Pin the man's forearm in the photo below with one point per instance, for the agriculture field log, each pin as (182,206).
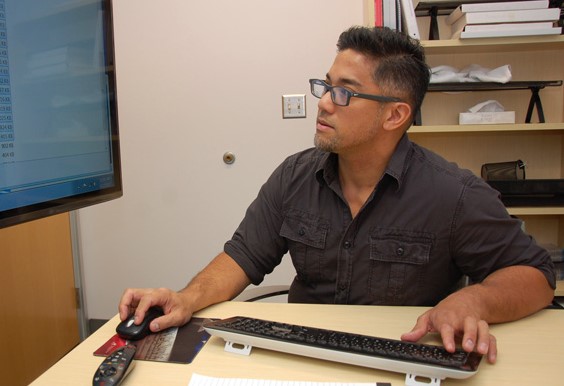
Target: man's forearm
(509,294)
(222,279)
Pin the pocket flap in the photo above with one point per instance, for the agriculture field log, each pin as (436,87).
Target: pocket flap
(305,229)
(400,251)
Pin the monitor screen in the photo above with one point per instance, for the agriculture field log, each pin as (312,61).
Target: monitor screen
(59,143)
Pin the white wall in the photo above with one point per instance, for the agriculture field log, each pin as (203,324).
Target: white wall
(197,79)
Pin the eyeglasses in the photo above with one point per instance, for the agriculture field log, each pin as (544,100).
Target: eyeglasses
(342,96)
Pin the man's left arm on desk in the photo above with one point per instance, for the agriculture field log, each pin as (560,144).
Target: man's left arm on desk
(505,295)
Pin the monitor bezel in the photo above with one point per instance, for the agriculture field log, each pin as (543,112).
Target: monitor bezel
(66,204)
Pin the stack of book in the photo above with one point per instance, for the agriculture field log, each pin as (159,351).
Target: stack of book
(508,18)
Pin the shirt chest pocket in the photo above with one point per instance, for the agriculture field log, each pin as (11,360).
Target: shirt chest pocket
(391,250)
(398,263)
(306,235)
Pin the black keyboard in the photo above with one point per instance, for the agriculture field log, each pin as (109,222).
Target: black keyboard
(414,359)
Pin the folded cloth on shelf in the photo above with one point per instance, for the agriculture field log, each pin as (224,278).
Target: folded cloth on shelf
(472,73)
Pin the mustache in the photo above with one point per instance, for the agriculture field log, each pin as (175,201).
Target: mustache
(322,118)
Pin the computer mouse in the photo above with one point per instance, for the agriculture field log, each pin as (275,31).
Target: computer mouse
(128,330)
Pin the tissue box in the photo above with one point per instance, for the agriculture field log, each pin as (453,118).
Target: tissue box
(486,118)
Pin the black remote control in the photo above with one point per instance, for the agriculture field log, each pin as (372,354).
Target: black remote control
(115,367)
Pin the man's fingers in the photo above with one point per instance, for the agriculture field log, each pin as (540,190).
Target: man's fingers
(418,331)
(484,337)
(138,301)
(128,303)
(470,336)
(447,335)
(477,338)
(487,343)
(492,350)
(166,321)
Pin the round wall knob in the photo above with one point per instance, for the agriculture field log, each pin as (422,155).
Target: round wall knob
(229,158)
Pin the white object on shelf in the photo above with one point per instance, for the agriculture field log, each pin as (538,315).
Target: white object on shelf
(409,19)
(488,112)
(486,118)
(496,6)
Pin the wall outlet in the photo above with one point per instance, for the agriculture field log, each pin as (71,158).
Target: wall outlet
(293,106)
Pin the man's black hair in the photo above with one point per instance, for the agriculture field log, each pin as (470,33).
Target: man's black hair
(400,61)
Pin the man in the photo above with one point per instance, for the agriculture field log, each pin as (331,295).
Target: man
(371,218)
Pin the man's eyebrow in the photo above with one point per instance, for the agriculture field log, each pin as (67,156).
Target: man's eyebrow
(344,81)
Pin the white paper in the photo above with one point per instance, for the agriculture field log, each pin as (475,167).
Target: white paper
(203,380)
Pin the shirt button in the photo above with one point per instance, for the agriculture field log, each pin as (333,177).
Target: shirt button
(400,251)
(347,245)
(301,232)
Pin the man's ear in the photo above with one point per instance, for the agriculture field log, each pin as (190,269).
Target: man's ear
(398,115)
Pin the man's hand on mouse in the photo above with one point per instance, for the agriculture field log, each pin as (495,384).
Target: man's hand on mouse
(173,304)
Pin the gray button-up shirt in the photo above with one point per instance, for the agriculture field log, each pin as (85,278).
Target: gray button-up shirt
(426,224)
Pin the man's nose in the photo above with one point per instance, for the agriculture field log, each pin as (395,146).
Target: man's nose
(325,102)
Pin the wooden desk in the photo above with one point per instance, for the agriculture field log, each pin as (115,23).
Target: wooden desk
(530,350)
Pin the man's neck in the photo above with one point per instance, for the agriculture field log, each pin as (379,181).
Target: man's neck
(359,175)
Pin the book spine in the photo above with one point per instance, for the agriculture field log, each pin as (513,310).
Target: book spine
(378,13)
(509,26)
(507,33)
(369,15)
(390,14)
(398,14)
(498,6)
(549,14)
(409,19)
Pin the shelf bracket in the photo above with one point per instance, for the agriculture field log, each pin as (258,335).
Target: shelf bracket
(417,119)
(535,101)
(434,26)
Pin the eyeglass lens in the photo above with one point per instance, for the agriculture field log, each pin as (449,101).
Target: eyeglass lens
(339,95)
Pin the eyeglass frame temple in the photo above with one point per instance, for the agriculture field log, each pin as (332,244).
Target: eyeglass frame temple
(378,98)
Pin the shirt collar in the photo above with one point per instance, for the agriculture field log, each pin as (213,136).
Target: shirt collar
(326,173)
(327,170)
(397,167)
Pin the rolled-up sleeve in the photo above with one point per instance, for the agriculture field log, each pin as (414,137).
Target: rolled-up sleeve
(485,238)
(257,245)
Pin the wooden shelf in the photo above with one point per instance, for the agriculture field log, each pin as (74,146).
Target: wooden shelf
(524,127)
(494,45)
(536,211)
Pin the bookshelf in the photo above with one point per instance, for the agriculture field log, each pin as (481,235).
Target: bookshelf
(540,145)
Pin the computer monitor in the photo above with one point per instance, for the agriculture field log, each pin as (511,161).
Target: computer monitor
(59,141)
